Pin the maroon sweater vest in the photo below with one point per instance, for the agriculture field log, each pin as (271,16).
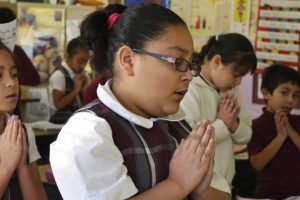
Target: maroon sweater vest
(146,152)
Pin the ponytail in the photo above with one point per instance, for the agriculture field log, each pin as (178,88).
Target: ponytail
(201,56)
(94,32)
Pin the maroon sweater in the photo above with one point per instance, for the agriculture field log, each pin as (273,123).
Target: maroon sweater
(280,178)
(27,72)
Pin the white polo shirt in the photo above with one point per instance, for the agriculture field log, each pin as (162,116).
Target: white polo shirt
(57,82)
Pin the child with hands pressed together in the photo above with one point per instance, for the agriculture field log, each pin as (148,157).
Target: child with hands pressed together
(214,95)
(132,142)
(274,148)
(228,111)
(19,177)
(68,81)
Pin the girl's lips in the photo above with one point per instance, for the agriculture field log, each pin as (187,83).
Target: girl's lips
(180,94)
(11,96)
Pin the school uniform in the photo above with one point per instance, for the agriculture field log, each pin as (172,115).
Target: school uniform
(280,178)
(107,152)
(201,102)
(62,80)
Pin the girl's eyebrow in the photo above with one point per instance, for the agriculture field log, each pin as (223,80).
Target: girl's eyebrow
(285,88)
(182,50)
(11,67)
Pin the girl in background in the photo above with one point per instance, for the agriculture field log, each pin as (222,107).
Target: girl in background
(214,95)
(19,177)
(68,81)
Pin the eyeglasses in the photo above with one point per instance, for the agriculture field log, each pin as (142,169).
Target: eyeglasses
(180,64)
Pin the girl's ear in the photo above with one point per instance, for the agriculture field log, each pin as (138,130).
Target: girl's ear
(216,61)
(125,60)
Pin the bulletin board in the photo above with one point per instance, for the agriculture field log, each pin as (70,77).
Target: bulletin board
(204,18)
(165,3)
(277,37)
(38,25)
(60,21)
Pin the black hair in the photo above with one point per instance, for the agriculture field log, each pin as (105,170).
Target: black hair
(12,55)
(233,48)
(74,45)
(4,47)
(6,15)
(135,27)
(278,74)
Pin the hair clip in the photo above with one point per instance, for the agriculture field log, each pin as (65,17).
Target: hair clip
(217,37)
(112,19)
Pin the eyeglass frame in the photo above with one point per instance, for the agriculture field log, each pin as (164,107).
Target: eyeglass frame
(172,60)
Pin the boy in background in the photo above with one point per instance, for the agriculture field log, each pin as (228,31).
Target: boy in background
(68,81)
(274,149)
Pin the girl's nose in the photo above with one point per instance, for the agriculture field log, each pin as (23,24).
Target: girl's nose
(10,82)
(290,98)
(187,76)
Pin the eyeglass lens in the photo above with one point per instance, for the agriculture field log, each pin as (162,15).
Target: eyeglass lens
(182,65)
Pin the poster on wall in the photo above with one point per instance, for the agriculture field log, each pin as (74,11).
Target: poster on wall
(41,33)
(208,18)
(183,9)
(277,37)
(253,20)
(240,16)
(72,29)
(165,3)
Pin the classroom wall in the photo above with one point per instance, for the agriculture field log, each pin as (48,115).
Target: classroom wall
(246,86)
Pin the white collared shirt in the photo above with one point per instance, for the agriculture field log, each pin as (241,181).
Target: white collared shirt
(57,82)
(85,161)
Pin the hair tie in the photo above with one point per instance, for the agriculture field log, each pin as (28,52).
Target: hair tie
(112,19)
(217,37)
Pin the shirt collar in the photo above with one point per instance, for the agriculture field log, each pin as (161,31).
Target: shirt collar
(206,82)
(69,70)
(108,98)
(202,81)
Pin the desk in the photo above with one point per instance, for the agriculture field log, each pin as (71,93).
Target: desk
(29,100)
(39,132)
